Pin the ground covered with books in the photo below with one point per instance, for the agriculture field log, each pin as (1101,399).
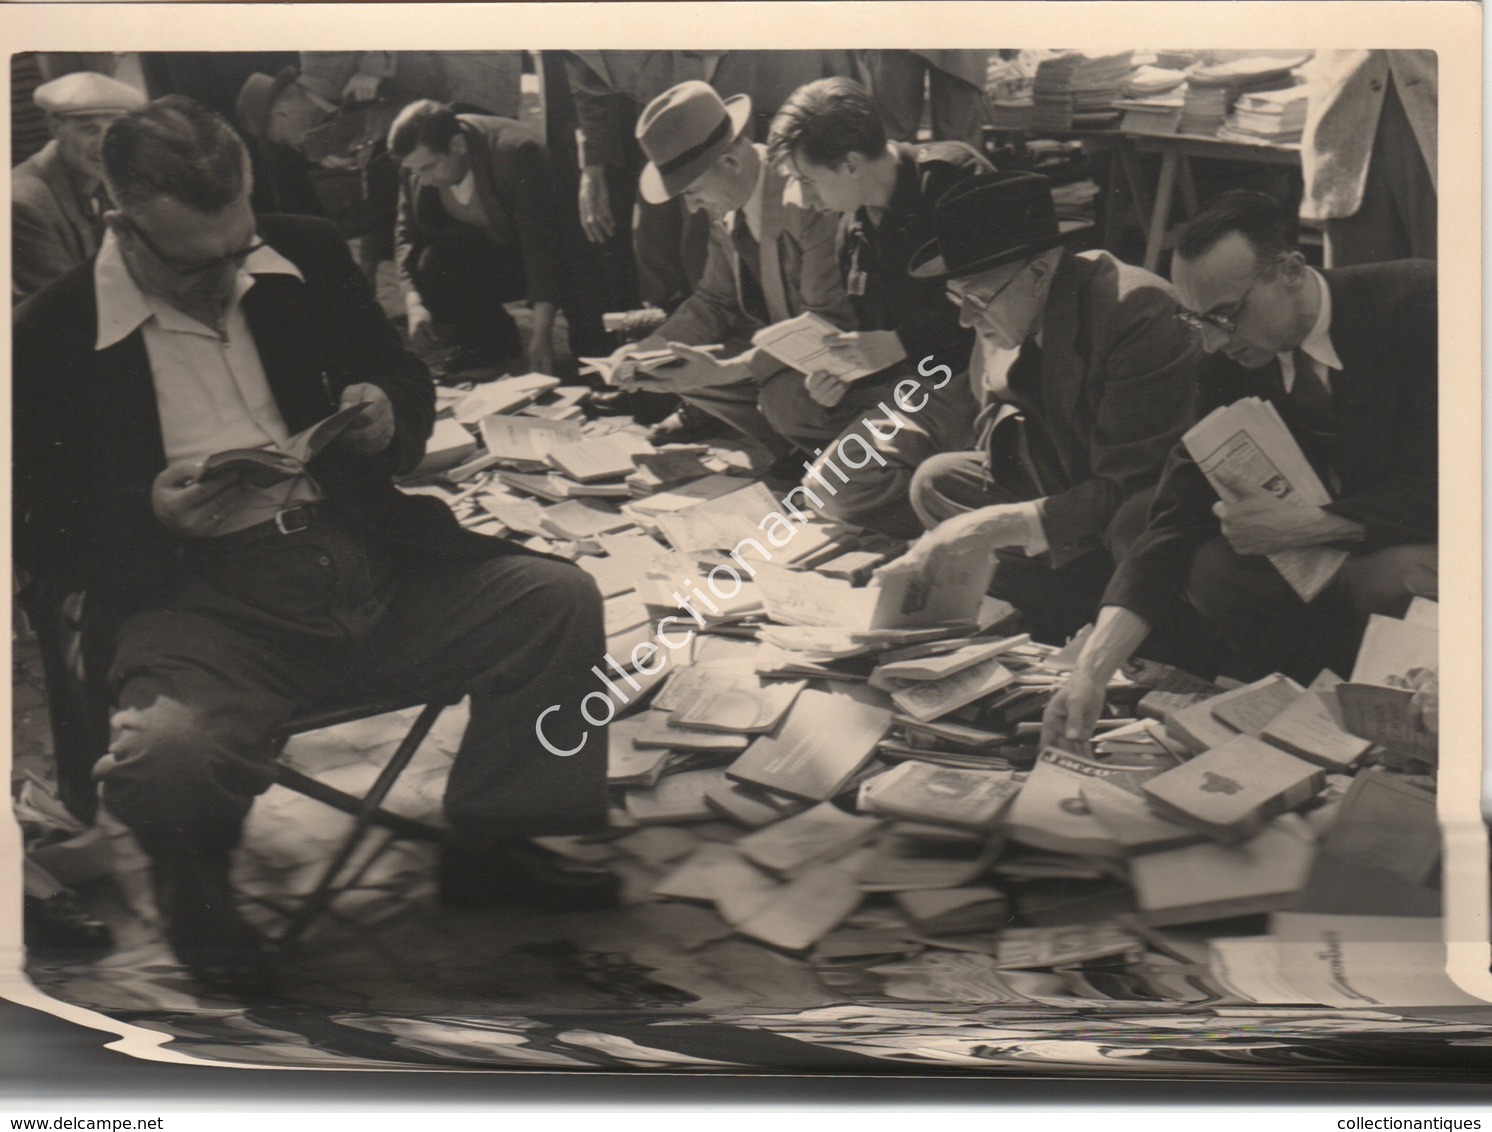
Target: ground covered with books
(842,845)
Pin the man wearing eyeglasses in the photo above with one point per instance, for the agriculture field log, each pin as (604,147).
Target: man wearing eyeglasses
(1348,358)
(217,608)
(1086,381)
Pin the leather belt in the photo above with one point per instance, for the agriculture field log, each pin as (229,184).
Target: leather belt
(292,520)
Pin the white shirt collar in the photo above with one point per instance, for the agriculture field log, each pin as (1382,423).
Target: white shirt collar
(1317,343)
(464,189)
(123,307)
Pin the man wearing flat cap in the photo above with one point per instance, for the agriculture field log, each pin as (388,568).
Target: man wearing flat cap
(768,260)
(58,198)
(1087,382)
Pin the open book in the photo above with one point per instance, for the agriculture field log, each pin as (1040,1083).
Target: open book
(265,467)
(1246,452)
(799,342)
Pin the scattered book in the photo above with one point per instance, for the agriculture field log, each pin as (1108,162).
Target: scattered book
(659,731)
(1069,945)
(1381,853)
(926,700)
(824,831)
(799,342)
(1232,790)
(739,702)
(595,458)
(1252,708)
(581,519)
(796,915)
(524,442)
(502,396)
(676,798)
(824,741)
(749,807)
(1049,812)
(955,911)
(917,855)
(1312,729)
(917,791)
(1215,882)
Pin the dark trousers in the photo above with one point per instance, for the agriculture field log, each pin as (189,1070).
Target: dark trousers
(1396,219)
(273,627)
(1267,628)
(465,279)
(1055,602)
(896,80)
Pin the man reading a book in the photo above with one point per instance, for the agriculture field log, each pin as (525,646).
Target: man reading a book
(768,261)
(1087,383)
(830,138)
(1347,357)
(215,610)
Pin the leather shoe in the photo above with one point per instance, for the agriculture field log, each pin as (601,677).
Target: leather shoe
(687,426)
(60,925)
(515,871)
(202,924)
(788,468)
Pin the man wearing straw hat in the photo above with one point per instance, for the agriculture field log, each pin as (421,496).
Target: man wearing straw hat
(1087,383)
(57,216)
(768,260)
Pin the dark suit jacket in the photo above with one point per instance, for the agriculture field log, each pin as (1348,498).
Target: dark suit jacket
(1117,388)
(51,231)
(88,442)
(875,258)
(514,186)
(612,87)
(1383,445)
(796,265)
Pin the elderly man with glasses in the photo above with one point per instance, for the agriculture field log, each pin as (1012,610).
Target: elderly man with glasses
(218,607)
(1348,358)
(1087,383)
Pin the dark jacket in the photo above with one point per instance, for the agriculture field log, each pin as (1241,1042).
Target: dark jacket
(52,230)
(88,442)
(1117,388)
(874,258)
(516,191)
(611,87)
(1383,444)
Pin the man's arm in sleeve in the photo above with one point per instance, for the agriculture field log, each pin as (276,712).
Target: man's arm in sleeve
(535,217)
(712,314)
(378,357)
(1404,508)
(599,111)
(1146,400)
(38,254)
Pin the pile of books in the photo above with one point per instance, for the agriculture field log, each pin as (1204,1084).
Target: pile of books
(1077,90)
(1273,117)
(1151,100)
(838,754)
(1212,89)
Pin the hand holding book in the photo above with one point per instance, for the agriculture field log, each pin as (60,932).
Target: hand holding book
(1267,526)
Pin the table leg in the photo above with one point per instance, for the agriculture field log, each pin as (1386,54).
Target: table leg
(1139,198)
(1165,190)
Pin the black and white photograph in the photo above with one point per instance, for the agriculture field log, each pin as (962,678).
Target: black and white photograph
(529,555)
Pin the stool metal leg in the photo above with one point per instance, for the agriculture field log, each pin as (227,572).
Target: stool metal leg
(368,810)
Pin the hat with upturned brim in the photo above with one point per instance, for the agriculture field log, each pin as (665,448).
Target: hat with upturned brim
(682,132)
(986,222)
(87,92)
(256,98)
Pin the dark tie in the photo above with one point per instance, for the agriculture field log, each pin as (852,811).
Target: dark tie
(1024,376)
(749,254)
(1311,400)
(1310,396)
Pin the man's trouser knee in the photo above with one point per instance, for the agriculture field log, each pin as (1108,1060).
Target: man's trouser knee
(464,279)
